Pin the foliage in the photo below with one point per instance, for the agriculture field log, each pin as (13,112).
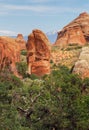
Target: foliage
(33,76)
(24,52)
(8,113)
(73,47)
(55,48)
(22,68)
(51,61)
(59,101)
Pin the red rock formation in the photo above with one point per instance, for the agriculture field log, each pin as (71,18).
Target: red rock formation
(20,36)
(71,35)
(21,41)
(83,22)
(9,54)
(38,57)
(75,32)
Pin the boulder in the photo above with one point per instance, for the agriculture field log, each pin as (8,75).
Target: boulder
(81,67)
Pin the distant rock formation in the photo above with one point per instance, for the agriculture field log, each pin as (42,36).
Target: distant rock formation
(81,67)
(9,54)
(71,35)
(38,58)
(20,39)
(76,32)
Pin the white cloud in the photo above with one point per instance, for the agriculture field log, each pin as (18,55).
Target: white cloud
(35,8)
(31,8)
(38,1)
(7,33)
(52,10)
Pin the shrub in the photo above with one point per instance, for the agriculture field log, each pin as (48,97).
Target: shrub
(33,76)
(22,68)
(54,102)
(24,52)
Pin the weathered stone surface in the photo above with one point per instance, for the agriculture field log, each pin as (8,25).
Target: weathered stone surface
(9,54)
(81,67)
(75,32)
(41,67)
(71,35)
(20,40)
(38,58)
(83,21)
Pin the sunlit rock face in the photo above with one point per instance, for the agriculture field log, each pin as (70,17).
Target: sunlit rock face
(20,40)
(76,32)
(38,57)
(81,67)
(9,54)
(71,35)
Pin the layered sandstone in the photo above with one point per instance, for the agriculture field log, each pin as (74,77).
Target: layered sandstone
(76,32)
(71,35)
(81,67)
(38,58)
(20,40)
(9,54)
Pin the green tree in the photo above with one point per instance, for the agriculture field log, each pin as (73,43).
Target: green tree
(22,69)
(8,112)
(55,102)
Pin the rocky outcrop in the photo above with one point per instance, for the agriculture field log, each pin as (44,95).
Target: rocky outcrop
(38,58)
(76,32)
(71,35)
(83,21)
(81,67)
(9,54)
(20,40)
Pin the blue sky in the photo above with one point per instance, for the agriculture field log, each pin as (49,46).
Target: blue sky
(22,16)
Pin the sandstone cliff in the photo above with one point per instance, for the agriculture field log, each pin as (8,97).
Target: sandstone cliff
(76,32)
(9,54)
(38,58)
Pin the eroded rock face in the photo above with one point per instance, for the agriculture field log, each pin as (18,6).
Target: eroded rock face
(38,58)
(82,65)
(20,40)
(75,32)
(71,35)
(9,54)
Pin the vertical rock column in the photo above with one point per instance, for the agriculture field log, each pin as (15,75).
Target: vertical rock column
(38,57)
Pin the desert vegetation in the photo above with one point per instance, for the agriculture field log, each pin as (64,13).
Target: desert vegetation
(40,88)
(59,101)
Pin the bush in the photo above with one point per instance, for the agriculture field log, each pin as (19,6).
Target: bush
(33,76)
(22,68)
(24,52)
(73,47)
